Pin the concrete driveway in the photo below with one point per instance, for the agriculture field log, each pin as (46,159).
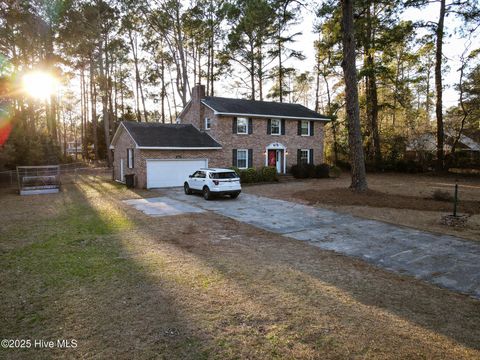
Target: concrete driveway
(443,260)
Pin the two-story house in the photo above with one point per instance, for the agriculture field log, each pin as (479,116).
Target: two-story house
(218,132)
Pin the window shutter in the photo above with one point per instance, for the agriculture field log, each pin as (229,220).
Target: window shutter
(310,157)
(250,158)
(299,127)
(312,126)
(299,156)
(269,126)
(128,158)
(283,127)
(234,157)
(250,125)
(234,125)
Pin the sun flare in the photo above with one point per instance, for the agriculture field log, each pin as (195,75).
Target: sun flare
(40,85)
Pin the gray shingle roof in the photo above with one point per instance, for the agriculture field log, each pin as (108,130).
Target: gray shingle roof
(169,135)
(261,108)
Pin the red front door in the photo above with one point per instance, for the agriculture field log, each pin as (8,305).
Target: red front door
(272,157)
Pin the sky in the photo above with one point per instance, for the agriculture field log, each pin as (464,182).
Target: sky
(452,48)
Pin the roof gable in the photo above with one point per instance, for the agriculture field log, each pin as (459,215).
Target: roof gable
(228,106)
(167,136)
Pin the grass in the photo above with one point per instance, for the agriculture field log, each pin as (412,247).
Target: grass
(83,265)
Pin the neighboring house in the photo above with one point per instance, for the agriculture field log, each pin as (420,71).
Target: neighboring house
(218,132)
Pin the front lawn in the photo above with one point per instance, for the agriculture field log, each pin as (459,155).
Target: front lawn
(82,265)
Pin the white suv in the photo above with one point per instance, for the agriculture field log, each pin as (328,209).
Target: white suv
(211,182)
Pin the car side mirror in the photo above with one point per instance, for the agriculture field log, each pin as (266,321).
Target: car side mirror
(190,176)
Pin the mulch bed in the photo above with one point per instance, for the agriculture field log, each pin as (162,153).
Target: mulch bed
(343,196)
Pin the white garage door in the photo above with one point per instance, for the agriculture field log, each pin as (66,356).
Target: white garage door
(166,173)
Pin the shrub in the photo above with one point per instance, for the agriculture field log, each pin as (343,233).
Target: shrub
(248,176)
(268,173)
(299,171)
(442,195)
(322,171)
(335,172)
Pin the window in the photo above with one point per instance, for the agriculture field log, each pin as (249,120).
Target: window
(276,127)
(242,159)
(223,175)
(208,123)
(304,156)
(199,175)
(242,125)
(305,128)
(130,158)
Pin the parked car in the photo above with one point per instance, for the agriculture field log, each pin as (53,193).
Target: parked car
(212,182)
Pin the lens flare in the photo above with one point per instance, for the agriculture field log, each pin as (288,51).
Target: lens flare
(39,85)
(5,102)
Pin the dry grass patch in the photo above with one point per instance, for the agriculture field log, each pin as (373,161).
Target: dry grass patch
(204,286)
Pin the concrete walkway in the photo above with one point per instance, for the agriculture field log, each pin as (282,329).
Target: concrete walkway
(443,260)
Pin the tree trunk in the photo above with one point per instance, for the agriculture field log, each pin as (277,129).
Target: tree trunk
(438,87)
(359,180)
(104,95)
(93,98)
(371,93)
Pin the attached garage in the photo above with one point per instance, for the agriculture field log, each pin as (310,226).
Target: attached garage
(171,172)
(161,155)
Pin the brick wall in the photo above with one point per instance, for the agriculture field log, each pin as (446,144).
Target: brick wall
(123,143)
(221,131)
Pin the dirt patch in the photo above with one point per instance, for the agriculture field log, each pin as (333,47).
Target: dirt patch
(373,198)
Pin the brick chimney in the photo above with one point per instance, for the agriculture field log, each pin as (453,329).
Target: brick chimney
(198,93)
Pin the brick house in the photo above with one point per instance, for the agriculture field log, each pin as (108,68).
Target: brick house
(218,132)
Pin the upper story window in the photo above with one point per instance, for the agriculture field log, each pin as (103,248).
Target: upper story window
(242,125)
(276,127)
(208,123)
(305,128)
(130,158)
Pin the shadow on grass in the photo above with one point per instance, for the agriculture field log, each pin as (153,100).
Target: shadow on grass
(80,280)
(125,285)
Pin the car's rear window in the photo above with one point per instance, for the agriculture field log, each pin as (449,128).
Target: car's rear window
(223,175)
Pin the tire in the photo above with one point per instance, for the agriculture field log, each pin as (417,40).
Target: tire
(187,189)
(234,195)
(207,195)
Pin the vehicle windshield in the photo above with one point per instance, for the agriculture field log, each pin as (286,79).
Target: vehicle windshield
(223,175)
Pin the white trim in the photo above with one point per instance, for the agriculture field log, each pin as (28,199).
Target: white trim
(176,148)
(246,126)
(264,116)
(130,157)
(308,155)
(279,126)
(115,136)
(308,128)
(208,121)
(246,159)
(277,146)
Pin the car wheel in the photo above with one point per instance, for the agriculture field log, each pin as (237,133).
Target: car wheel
(207,195)
(187,189)
(234,195)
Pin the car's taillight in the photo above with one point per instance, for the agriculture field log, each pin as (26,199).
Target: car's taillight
(216,182)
